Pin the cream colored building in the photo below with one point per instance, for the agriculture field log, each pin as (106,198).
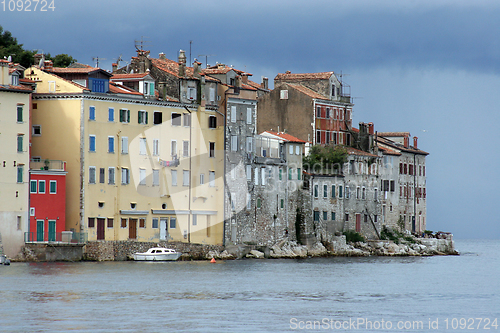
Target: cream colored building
(137,168)
(15,99)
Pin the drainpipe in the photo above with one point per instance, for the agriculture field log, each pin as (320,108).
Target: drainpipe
(190,172)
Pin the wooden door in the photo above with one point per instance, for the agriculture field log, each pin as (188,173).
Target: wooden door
(358,222)
(132,228)
(100,228)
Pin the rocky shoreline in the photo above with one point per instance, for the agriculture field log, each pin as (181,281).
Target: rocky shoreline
(339,247)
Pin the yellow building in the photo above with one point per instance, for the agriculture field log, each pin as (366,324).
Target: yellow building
(138,168)
(15,99)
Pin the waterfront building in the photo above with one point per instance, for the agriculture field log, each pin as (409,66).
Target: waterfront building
(138,168)
(15,105)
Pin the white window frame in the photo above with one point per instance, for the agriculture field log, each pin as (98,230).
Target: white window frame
(233,114)
(33,130)
(202,178)
(185,177)
(92,170)
(156,177)
(110,137)
(185,148)
(156,147)
(125,176)
(174,177)
(211,179)
(111,175)
(142,146)
(249,172)
(142,176)
(234,143)
(124,142)
(50,186)
(173,148)
(249,116)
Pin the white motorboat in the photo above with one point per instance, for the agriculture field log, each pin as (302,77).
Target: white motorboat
(158,254)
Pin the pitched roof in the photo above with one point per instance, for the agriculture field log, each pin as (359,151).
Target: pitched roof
(399,146)
(388,151)
(304,76)
(20,88)
(172,67)
(129,76)
(309,92)
(120,89)
(394,134)
(256,85)
(76,70)
(286,136)
(357,152)
(222,69)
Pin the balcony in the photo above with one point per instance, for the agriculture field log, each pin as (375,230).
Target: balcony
(54,165)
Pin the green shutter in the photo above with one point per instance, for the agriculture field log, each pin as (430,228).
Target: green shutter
(152,89)
(146,115)
(139,117)
(128,116)
(19,114)
(19,143)
(19,174)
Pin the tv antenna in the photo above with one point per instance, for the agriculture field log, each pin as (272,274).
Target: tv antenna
(142,43)
(96,59)
(206,58)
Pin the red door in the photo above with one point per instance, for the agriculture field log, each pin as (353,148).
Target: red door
(100,228)
(358,222)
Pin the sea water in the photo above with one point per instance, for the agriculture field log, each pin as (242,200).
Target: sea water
(366,294)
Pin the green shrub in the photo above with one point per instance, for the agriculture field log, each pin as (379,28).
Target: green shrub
(353,236)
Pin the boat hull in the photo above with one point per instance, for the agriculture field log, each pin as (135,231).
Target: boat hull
(157,257)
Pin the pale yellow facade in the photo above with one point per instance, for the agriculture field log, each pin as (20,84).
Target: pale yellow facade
(14,165)
(121,183)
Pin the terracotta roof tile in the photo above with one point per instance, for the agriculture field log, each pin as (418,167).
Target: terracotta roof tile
(129,76)
(388,151)
(400,147)
(354,151)
(10,87)
(303,76)
(120,89)
(256,85)
(286,136)
(172,67)
(393,134)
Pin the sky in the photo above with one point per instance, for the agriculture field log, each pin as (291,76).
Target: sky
(431,68)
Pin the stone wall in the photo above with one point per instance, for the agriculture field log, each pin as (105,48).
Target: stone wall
(123,250)
(51,252)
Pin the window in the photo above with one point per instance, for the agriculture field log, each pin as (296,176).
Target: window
(172,223)
(142,146)
(212,94)
(142,176)
(318,112)
(234,143)
(325,191)
(125,176)
(249,144)
(156,147)
(316,216)
(256,176)
(176,119)
(297,150)
(333,191)
(392,185)
(283,94)
(33,186)
(211,149)
(347,217)
(20,143)
(318,137)
(233,171)
(102,175)
(290,173)
(233,114)
(187,119)
(110,222)
(363,193)
(202,178)
(233,200)
(281,174)
(340,192)
(290,149)
(347,192)
(385,185)
(249,116)
(195,219)
(92,113)
(124,145)
(92,143)
(258,203)
(41,186)
(410,169)
(358,192)
(36,130)
(299,172)
(124,116)
(20,172)
(142,223)
(157,117)
(249,172)
(375,194)
(123,223)
(211,178)
(154,225)
(185,148)
(263,176)
(366,218)
(173,148)
(92,175)
(174,177)
(325,216)
(111,144)
(316,191)
(91,223)
(249,201)
(111,175)
(142,117)
(375,218)
(212,122)
(282,203)
(156,177)
(111,114)
(333,216)
(19,113)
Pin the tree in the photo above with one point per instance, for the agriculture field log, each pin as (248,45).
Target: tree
(63,60)
(325,159)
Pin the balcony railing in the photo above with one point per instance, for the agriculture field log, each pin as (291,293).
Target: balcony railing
(65,237)
(37,164)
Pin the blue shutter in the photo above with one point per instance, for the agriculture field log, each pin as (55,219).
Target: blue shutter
(111,144)
(111,114)
(92,113)
(92,143)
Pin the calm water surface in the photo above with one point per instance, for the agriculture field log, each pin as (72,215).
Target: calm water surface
(254,295)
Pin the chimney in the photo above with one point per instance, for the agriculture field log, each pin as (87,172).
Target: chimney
(48,65)
(415,139)
(288,72)
(114,67)
(265,83)
(37,58)
(4,72)
(162,56)
(182,63)
(406,141)
(371,128)
(244,78)
(196,68)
